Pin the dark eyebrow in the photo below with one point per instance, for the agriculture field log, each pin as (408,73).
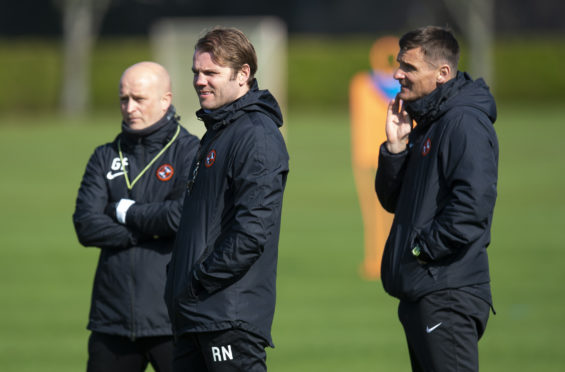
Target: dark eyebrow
(400,61)
(205,70)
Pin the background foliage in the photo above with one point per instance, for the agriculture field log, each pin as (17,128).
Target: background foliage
(319,70)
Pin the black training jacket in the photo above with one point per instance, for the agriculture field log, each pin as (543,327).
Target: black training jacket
(223,269)
(442,190)
(127,298)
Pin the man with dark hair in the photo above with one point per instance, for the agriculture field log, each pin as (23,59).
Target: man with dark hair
(221,279)
(129,205)
(439,178)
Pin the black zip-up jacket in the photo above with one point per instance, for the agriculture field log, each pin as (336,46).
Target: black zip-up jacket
(223,270)
(127,297)
(442,190)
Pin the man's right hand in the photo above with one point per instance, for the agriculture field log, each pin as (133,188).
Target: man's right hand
(398,126)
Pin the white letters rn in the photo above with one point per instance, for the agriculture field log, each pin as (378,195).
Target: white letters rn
(223,354)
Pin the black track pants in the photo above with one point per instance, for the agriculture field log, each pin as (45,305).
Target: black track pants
(223,351)
(109,353)
(443,330)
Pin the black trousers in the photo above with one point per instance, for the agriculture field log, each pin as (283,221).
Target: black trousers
(222,351)
(110,353)
(443,330)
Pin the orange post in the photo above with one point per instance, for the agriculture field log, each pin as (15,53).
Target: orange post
(369,94)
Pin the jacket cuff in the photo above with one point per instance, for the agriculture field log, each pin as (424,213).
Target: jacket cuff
(122,209)
(384,152)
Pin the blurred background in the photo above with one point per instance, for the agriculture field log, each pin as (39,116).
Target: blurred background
(60,63)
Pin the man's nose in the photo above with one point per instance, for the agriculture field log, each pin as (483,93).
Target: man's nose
(130,105)
(199,80)
(398,74)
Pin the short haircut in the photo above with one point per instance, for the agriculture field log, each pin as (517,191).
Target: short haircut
(229,47)
(438,44)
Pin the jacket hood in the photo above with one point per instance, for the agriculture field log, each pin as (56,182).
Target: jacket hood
(460,91)
(254,100)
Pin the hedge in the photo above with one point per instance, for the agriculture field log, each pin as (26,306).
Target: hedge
(319,70)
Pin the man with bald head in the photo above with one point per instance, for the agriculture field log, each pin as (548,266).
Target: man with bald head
(129,205)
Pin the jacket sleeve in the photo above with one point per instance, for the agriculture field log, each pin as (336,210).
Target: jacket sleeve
(163,218)
(160,218)
(92,225)
(258,180)
(388,179)
(470,163)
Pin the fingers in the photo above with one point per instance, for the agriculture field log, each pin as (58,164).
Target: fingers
(391,109)
(405,115)
(397,106)
(399,102)
(394,105)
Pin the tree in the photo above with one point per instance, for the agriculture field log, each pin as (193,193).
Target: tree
(476,20)
(81,24)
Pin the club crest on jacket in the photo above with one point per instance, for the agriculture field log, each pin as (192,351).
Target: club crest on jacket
(165,172)
(427,147)
(210,159)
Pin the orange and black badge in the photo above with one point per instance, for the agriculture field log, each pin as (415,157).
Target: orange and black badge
(165,172)
(210,159)
(427,147)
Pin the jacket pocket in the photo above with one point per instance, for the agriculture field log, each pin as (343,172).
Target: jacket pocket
(414,278)
(433,271)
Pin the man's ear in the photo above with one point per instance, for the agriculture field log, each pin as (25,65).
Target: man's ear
(166,101)
(443,74)
(243,74)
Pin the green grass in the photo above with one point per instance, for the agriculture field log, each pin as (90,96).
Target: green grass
(31,72)
(328,318)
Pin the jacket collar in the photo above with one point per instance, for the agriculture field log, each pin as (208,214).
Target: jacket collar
(428,108)
(253,100)
(159,132)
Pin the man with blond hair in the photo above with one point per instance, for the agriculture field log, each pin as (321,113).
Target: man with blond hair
(221,280)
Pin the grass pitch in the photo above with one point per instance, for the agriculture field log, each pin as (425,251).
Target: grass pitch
(328,318)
